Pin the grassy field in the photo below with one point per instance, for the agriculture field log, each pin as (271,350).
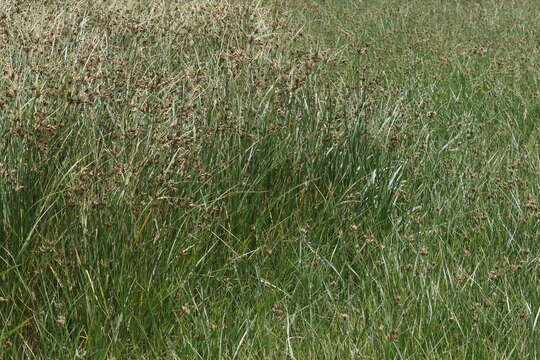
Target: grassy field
(274,179)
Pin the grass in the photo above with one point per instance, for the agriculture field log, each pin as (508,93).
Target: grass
(269,179)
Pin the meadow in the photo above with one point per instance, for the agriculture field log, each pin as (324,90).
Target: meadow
(272,179)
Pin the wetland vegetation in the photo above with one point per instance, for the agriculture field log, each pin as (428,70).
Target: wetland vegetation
(230,179)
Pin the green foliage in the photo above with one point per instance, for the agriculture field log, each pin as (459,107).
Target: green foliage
(273,179)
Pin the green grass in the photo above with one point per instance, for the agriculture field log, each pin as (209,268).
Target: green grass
(269,179)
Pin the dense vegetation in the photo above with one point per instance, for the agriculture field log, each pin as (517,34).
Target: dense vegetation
(231,179)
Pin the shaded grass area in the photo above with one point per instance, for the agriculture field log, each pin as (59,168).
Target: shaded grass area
(269,179)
